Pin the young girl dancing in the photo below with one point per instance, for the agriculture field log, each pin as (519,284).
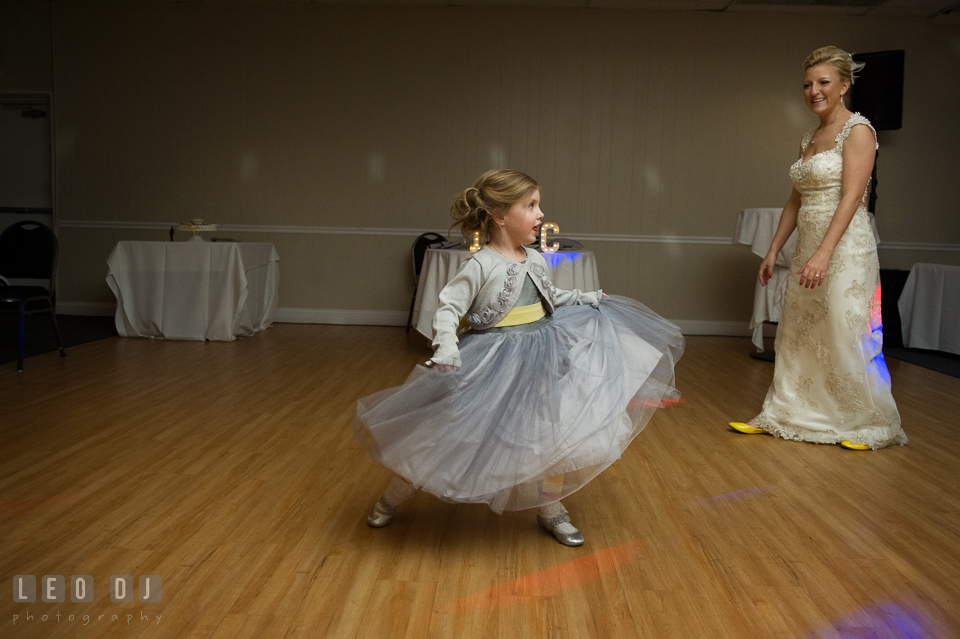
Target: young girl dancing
(542,391)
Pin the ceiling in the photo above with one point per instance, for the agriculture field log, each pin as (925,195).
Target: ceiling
(943,11)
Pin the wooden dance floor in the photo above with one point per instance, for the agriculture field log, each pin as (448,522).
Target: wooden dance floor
(230,471)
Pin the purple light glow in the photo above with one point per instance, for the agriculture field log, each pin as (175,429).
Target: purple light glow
(554,259)
(873,342)
(887,619)
(737,494)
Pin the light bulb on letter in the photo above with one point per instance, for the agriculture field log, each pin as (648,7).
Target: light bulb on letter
(544,247)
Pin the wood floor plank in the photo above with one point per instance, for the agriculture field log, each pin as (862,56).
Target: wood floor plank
(398,609)
(247,626)
(230,469)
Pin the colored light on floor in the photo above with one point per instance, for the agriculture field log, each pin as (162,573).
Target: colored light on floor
(555,580)
(886,619)
(654,403)
(737,494)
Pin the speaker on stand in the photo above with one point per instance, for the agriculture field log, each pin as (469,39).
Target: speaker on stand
(877,95)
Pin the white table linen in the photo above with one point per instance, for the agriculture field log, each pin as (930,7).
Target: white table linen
(930,308)
(194,290)
(570,269)
(756,228)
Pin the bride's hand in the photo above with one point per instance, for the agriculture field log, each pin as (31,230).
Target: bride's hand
(815,270)
(766,269)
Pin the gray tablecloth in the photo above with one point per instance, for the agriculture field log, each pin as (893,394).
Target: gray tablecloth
(194,290)
(571,269)
(930,308)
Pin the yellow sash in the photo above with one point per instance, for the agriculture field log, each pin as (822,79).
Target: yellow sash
(522,315)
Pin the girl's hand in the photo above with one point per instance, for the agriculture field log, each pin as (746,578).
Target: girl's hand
(443,368)
(815,270)
(602,295)
(766,269)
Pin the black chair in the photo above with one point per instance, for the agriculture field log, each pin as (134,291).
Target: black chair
(29,250)
(420,246)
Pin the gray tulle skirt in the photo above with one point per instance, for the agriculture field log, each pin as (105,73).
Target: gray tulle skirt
(563,398)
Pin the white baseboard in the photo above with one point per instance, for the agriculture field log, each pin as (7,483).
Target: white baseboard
(408,232)
(337,316)
(711,327)
(399,318)
(722,329)
(97,309)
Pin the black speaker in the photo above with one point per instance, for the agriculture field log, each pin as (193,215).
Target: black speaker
(877,93)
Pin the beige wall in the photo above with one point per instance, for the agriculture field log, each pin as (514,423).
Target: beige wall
(26,55)
(636,123)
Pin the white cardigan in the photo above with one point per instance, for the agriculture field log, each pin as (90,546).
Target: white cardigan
(484,290)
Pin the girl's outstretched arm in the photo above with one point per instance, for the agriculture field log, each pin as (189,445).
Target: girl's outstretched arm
(575,296)
(455,300)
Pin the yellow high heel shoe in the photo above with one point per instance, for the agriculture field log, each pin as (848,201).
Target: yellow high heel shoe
(746,429)
(853,446)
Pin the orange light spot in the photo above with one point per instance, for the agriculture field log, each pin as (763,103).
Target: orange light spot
(555,580)
(654,403)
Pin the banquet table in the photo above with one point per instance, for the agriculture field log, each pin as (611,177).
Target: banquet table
(194,290)
(930,308)
(570,269)
(756,228)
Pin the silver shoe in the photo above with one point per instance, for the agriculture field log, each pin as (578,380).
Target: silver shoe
(381,514)
(567,539)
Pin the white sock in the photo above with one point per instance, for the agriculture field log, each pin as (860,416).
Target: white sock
(398,491)
(552,510)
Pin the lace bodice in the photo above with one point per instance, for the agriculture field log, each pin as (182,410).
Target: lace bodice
(819,179)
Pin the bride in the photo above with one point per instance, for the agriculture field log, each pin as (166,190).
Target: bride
(830,383)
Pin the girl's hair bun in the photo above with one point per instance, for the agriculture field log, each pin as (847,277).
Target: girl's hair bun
(493,193)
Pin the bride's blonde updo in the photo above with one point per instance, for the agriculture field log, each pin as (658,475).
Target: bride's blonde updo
(838,59)
(494,192)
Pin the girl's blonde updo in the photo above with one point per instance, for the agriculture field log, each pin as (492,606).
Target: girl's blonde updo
(838,59)
(493,193)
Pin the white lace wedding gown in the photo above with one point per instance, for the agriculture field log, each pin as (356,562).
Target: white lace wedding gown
(830,383)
